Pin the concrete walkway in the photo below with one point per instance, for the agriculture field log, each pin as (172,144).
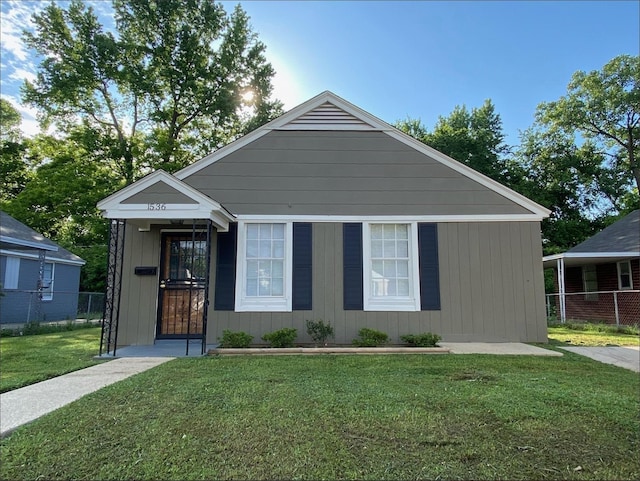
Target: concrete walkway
(627,357)
(26,404)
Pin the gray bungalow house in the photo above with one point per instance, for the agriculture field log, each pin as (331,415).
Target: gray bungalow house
(329,213)
(39,278)
(599,279)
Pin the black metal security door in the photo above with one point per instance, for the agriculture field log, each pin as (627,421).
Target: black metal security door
(183,281)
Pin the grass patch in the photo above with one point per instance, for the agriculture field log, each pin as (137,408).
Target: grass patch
(587,334)
(37,328)
(344,417)
(30,359)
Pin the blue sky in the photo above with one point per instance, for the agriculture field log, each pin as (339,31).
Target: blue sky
(419,59)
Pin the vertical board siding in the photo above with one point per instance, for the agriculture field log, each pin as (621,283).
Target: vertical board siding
(226,253)
(490,283)
(302,276)
(429,267)
(353,273)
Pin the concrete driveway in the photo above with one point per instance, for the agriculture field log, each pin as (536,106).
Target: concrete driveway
(627,357)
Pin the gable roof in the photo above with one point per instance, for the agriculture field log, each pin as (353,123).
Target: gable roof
(621,240)
(329,112)
(621,236)
(18,239)
(162,197)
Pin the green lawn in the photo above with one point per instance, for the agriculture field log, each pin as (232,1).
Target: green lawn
(593,335)
(29,359)
(344,417)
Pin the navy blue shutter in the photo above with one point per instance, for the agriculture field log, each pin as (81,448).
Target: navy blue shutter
(352,266)
(225,292)
(302,276)
(428,266)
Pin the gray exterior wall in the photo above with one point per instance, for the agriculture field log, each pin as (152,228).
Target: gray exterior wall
(20,305)
(342,173)
(491,287)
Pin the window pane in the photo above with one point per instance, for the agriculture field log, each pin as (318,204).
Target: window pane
(403,248)
(252,287)
(389,231)
(252,268)
(278,249)
(278,231)
(264,268)
(389,269)
(264,288)
(252,231)
(376,231)
(252,248)
(265,231)
(389,249)
(402,231)
(403,269)
(378,268)
(376,249)
(403,287)
(277,286)
(277,268)
(265,248)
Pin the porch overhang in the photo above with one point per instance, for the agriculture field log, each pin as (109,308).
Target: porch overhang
(583,258)
(160,198)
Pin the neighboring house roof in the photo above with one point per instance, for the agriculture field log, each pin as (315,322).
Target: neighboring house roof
(621,240)
(21,240)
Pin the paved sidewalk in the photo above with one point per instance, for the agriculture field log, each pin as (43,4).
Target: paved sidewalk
(627,357)
(26,404)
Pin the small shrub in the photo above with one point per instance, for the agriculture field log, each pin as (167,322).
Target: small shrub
(235,339)
(282,337)
(319,331)
(370,338)
(425,339)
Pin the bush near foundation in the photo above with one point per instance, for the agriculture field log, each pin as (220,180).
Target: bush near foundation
(425,339)
(237,339)
(370,338)
(282,337)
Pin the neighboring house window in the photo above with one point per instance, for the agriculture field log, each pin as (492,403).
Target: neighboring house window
(390,261)
(590,282)
(264,267)
(624,275)
(47,281)
(12,273)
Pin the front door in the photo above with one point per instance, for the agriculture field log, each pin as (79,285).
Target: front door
(182,285)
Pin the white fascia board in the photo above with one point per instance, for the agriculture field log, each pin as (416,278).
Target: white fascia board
(27,243)
(474,175)
(26,255)
(393,219)
(115,200)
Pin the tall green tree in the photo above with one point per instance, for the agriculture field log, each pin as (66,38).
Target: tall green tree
(170,85)
(14,169)
(473,137)
(603,106)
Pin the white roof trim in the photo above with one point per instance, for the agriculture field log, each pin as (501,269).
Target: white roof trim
(391,218)
(48,258)
(588,255)
(27,243)
(203,207)
(284,123)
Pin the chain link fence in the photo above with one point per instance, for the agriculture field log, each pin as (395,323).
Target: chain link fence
(609,307)
(24,306)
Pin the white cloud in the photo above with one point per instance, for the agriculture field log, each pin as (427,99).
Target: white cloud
(15,17)
(29,125)
(22,74)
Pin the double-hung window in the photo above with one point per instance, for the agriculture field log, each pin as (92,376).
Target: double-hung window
(47,281)
(11,272)
(264,267)
(590,282)
(390,255)
(624,275)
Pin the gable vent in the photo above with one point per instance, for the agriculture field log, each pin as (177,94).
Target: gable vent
(328,116)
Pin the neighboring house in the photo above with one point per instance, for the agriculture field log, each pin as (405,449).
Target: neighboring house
(605,271)
(39,278)
(326,213)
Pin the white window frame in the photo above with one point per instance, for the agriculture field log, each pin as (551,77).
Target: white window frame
(11,272)
(618,265)
(47,290)
(408,303)
(244,303)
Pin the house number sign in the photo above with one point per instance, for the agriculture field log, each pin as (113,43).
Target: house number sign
(157,206)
